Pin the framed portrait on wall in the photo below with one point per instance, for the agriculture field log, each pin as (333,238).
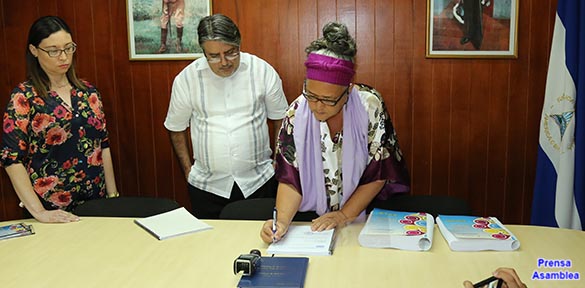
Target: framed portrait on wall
(472,28)
(165,29)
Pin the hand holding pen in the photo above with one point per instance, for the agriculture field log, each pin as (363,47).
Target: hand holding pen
(274,221)
(273,230)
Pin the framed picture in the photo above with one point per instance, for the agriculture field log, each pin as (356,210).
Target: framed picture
(472,28)
(165,29)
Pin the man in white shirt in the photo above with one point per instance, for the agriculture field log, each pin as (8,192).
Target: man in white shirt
(225,98)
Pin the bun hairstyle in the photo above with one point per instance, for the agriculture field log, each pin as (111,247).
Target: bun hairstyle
(336,42)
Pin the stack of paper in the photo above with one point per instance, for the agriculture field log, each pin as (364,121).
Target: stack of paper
(471,233)
(300,240)
(173,223)
(396,229)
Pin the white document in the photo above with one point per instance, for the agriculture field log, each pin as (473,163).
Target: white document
(300,240)
(173,223)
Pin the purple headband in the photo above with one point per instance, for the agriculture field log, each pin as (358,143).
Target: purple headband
(329,69)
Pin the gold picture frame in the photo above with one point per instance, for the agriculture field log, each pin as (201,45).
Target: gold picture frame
(146,34)
(488,29)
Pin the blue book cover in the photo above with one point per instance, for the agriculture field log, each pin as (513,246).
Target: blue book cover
(278,272)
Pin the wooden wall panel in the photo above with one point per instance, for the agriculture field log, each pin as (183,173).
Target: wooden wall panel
(440,128)
(162,154)
(459,150)
(498,115)
(467,127)
(346,13)
(420,144)
(382,49)
(142,128)
(46,7)
(126,171)
(400,72)
(327,11)
(515,189)
(366,26)
(84,32)
(539,47)
(478,142)
(291,45)
(308,31)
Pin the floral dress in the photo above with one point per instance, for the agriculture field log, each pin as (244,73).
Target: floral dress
(385,161)
(59,145)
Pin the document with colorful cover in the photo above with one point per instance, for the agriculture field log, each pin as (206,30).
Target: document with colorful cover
(399,230)
(274,272)
(15,230)
(472,233)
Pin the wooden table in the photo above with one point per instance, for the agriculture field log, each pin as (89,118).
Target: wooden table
(115,252)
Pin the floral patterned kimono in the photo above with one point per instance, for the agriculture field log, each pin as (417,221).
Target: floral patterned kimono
(382,157)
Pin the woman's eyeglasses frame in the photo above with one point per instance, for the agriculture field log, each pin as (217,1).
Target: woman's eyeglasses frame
(55,52)
(313,98)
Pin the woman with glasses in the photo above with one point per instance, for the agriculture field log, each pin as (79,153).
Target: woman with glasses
(55,145)
(337,149)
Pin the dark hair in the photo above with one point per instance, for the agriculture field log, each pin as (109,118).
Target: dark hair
(41,29)
(218,27)
(336,42)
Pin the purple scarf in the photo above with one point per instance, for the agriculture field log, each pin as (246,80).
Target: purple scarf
(307,139)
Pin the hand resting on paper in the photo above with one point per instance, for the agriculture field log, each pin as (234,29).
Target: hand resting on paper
(511,279)
(329,221)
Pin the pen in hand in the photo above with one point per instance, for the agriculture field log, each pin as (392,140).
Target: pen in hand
(274,225)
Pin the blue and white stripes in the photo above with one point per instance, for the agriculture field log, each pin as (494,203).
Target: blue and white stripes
(559,192)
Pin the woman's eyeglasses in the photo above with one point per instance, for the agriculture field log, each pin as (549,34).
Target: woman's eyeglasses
(313,98)
(54,52)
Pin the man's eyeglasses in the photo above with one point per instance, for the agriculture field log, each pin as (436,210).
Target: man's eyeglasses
(54,52)
(313,98)
(230,56)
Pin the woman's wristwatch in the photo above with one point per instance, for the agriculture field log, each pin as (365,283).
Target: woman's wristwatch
(113,196)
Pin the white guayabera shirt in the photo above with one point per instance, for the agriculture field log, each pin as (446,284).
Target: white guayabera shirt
(227,119)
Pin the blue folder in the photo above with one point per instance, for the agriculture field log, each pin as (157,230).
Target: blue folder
(287,272)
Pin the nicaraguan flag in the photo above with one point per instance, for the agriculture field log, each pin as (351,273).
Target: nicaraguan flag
(559,191)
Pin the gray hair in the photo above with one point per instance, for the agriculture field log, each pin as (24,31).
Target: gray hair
(336,42)
(218,27)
